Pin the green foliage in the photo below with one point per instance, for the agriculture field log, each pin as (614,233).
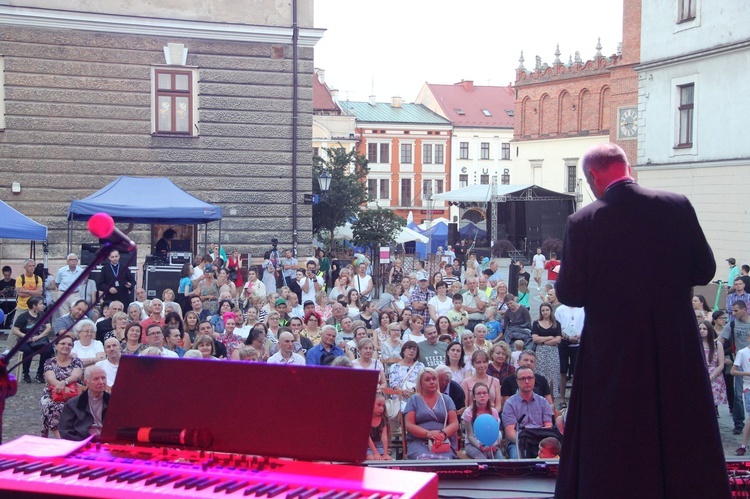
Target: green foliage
(377,227)
(501,247)
(552,244)
(347,194)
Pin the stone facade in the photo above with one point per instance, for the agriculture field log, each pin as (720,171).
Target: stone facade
(79,113)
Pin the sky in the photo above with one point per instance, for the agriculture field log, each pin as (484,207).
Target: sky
(391,48)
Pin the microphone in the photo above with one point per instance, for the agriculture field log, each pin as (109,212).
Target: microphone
(102,226)
(192,437)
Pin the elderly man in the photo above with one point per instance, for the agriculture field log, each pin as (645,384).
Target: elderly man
(536,411)
(105,325)
(154,314)
(474,303)
(83,415)
(421,296)
(653,454)
(286,354)
(64,278)
(362,282)
(155,338)
(338,312)
(449,387)
(113,351)
(432,351)
(324,353)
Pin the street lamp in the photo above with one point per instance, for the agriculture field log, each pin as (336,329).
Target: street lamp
(325,181)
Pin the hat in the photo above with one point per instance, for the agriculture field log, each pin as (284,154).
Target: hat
(209,268)
(732,261)
(308,302)
(280,301)
(422,276)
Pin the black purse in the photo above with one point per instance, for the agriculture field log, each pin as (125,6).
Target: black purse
(40,343)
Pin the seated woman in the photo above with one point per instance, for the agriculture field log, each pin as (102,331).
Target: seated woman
(366,350)
(390,349)
(454,358)
(322,307)
(482,405)
(59,372)
(431,421)
(217,320)
(258,340)
(228,338)
(501,366)
(380,335)
(403,375)
(86,348)
(480,361)
(205,345)
(119,327)
(369,316)
(352,346)
(313,322)
(352,303)
(132,344)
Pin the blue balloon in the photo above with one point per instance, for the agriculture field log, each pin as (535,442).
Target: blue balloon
(486,429)
(2,317)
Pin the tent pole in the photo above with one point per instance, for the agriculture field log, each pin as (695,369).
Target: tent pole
(205,239)
(219,255)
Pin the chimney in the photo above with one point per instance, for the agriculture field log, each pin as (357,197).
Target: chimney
(335,95)
(468,85)
(372,100)
(321,75)
(396,102)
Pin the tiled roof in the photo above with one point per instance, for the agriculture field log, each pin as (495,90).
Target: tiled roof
(322,100)
(463,103)
(383,112)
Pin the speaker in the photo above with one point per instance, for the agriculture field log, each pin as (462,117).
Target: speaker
(156,279)
(513,279)
(89,251)
(453,234)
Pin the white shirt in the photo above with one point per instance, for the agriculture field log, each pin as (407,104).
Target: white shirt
(110,369)
(571,320)
(361,283)
(742,361)
(65,277)
(441,307)
(310,293)
(295,360)
(165,352)
(197,273)
(88,352)
(539,261)
(243,331)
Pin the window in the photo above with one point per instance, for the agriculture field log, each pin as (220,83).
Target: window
(175,99)
(405,192)
(439,187)
(373,148)
(686,115)
(427,154)
(485,150)
(484,179)
(510,112)
(486,112)
(506,150)
(463,181)
(687,10)
(385,187)
(459,111)
(406,153)
(316,151)
(438,154)
(426,189)
(572,178)
(372,188)
(463,150)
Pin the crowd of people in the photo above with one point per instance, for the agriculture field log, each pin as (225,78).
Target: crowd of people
(448,345)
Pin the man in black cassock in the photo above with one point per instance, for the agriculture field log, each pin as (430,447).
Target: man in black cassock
(641,419)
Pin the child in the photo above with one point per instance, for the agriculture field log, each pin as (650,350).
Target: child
(549,448)
(516,355)
(741,367)
(494,328)
(458,317)
(482,404)
(378,450)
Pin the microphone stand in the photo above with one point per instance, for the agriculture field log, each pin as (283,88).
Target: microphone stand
(8,382)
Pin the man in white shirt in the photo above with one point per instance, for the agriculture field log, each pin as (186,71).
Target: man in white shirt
(311,283)
(286,354)
(113,351)
(571,324)
(539,262)
(155,338)
(63,279)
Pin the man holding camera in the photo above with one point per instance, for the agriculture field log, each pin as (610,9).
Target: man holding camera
(311,283)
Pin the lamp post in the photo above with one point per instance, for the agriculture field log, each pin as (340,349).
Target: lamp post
(325,182)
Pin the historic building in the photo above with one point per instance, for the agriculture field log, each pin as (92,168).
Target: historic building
(564,108)
(408,148)
(202,92)
(693,72)
(482,119)
(331,127)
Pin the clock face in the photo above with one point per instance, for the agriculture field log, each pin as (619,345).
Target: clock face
(628,122)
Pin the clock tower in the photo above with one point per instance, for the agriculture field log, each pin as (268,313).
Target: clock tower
(624,114)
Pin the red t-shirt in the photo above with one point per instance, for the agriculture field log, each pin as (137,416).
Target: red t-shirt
(553,268)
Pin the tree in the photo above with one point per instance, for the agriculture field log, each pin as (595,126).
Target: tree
(347,194)
(375,228)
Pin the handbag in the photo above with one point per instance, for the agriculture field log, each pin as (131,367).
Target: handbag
(40,343)
(445,445)
(63,396)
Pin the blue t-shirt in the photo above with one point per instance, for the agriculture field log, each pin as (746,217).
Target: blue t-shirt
(186,286)
(493,330)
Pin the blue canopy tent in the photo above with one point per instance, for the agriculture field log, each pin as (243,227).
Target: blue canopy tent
(472,231)
(18,226)
(145,200)
(438,235)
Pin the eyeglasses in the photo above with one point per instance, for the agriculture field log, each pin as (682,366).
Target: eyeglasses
(526,378)
(154,333)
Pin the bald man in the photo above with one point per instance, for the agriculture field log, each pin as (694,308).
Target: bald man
(642,235)
(83,415)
